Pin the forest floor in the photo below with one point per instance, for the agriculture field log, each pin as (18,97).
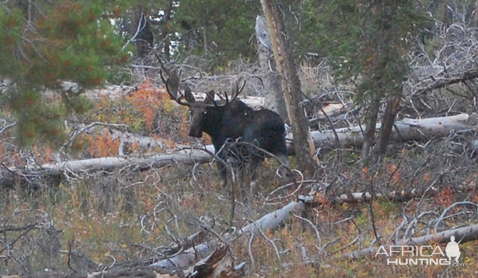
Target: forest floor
(102,220)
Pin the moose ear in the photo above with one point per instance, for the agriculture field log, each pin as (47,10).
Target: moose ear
(189,96)
(209,98)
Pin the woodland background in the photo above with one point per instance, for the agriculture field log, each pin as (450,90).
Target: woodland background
(97,175)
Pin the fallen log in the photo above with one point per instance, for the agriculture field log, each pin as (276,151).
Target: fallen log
(188,257)
(463,234)
(404,130)
(440,82)
(50,174)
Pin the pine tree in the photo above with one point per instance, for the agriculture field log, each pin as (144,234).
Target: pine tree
(44,44)
(368,42)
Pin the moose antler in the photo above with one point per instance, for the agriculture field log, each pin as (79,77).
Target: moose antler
(238,88)
(171,79)
(235,91)
(172,86)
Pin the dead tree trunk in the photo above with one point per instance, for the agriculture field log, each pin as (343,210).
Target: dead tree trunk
(393,105)
(273,98)
(290,86)
(404,130)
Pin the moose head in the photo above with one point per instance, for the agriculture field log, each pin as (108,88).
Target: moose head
(204,114)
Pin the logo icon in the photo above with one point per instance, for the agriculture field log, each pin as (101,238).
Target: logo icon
(452,249)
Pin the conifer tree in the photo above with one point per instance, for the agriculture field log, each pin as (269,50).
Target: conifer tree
(368,42)
(45,45)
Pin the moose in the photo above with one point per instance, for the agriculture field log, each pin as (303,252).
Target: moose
(231,120)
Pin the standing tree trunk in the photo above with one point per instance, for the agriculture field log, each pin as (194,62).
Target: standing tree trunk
(140,31)
(273,97)
(371,118)
(388,120)
(382,81)
(476,13)
(290,86)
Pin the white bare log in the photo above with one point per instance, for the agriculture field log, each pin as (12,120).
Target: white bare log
(267,222)
(462,235)
(272,220)
(405,130)
(252,101)
(111,163)
(144,142)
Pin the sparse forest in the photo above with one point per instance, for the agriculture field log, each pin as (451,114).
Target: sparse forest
(100,175)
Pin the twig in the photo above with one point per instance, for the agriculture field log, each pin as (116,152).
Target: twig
(269,240)
(317,234)
(465,203)
(7,127)
(78,132)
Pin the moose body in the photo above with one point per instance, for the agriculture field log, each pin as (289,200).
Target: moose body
(236,123)
(233,121)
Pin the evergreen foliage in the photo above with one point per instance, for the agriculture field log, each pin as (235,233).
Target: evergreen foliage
(373,38)
(43,45)
(218,30)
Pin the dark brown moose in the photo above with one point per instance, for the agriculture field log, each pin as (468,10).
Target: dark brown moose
(231,120)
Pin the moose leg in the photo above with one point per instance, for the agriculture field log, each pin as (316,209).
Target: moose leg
(242,181)
(254,178)
(223,171)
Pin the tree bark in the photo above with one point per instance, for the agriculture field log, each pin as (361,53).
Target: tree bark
(369,132)
(405,130)
(268,222)
(391,110)
(273,98)
(291,87)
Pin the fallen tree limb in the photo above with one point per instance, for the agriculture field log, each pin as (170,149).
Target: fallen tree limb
(404,130)
(463,234)
(137,163)
(363,197)
(443,82)
(50,174)
(188,257)
(116,92)
(316,198)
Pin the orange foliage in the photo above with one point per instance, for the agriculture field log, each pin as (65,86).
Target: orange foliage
(446,197)
(365,170)
(395,173)
(43,153)
(474,197)
(169,143)
(147,101)
(427,176)
(103,145)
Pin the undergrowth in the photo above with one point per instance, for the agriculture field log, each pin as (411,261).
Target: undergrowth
(98,220)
